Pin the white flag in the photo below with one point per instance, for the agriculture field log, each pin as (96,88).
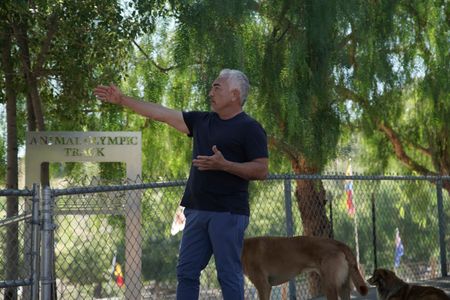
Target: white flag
(179,221)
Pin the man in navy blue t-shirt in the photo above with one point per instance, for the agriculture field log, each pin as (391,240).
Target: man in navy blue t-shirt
(230,148)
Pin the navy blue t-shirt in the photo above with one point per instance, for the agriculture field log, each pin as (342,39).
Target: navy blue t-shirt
(240,139)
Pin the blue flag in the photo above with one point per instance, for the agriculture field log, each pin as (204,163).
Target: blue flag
(399,251)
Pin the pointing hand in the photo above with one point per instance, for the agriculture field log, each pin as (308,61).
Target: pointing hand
(110,94)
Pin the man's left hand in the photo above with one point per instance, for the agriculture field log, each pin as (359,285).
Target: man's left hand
(213,162)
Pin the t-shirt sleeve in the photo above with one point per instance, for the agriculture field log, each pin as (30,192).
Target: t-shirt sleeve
(256,142)
(190,118)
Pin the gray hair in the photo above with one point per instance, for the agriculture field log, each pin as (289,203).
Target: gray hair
(237,80)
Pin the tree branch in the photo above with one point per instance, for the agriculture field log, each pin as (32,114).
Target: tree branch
(349,94)
(400,151)
(421,23)
(393,137)
(283,33)
(284,147)
(280,20)
(51,31)
(162,69)
(423,150)
(20,30)
(349,37)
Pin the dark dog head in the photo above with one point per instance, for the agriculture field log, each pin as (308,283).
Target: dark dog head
(384,278)
(389,286)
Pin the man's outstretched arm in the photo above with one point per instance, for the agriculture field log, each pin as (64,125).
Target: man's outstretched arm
(151,110)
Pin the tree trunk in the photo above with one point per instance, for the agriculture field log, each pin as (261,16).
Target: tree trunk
(34,103)
(12,205)
(311,202)
(34,100)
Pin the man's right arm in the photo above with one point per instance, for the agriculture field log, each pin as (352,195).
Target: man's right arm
(151,110)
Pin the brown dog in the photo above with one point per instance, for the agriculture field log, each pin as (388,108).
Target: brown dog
(270,261)
(390,287)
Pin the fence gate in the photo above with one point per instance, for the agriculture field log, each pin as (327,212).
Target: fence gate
(19,264)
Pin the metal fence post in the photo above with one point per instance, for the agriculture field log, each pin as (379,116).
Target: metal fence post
(47,247)
(35,243)
(441,222)
(289,228)
(331,218)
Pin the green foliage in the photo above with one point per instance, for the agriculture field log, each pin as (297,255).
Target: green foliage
(89,43)
(296,83)
(294,53)
(88,46)
(409,206)
(97,46)
(267,204)
(287,57)
(203,33)
(84,259)
(399,76)
(160,248)
(112,171)
(391,59)
(159,260)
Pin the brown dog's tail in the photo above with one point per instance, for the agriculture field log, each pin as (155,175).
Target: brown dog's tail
(358,281)
(355,275)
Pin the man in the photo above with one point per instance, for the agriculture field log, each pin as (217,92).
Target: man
(229,149)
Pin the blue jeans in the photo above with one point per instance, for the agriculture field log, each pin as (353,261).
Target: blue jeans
(207,233)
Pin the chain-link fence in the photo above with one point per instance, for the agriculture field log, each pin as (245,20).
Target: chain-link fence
(19,236)
(115,241)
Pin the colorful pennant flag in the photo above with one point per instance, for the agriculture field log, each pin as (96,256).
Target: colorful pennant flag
(399,250)
(119,275)
(179,221)
(349,192)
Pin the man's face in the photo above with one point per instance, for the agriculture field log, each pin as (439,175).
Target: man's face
(220,94)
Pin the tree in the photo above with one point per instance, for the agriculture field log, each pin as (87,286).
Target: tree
(288,57)
(52,55)
(12,205)
(396,78)
(287,50)
(296,85)
(308,59)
